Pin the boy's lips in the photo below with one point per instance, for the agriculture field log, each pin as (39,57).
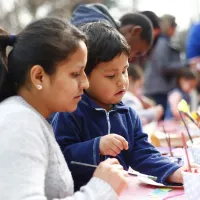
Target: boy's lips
(121,92)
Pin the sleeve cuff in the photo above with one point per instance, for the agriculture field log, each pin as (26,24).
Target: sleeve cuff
(96,151)
(168,173)
(102,189)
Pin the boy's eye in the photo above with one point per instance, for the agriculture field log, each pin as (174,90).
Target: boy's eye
(111,76)
(124,72)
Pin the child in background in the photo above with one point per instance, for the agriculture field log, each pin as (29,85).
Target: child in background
(102,126)
(186,82)
(143,106)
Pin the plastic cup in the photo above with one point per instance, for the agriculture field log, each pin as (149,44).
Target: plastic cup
(191,183)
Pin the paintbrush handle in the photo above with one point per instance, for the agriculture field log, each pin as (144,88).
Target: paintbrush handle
(186,127)
(154,178)
(83,164)
(193,120)
(167,136)
(186,151)
(130,173)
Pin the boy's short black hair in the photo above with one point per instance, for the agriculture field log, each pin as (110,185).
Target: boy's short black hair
(138,19)
(104,44)
(135,72)
(153,18)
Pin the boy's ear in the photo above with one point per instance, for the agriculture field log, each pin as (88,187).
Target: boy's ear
(136,30)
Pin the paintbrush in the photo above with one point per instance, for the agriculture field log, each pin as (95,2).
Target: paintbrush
(186,127)
(167,136)
(186,152)
(184,108)
(154,178)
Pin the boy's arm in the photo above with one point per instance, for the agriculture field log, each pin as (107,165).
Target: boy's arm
(68,135)
(146,159)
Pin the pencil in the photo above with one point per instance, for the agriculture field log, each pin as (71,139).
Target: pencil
(154,178)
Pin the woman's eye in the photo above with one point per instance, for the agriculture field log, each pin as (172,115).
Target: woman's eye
(76,74)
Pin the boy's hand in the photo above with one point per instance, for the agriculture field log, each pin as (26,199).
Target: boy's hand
(176,177)
(112,144)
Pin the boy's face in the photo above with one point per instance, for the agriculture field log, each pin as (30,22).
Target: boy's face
(109,81)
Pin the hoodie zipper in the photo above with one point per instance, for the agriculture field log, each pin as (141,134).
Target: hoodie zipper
(102,158)
(108,121)
(107,118)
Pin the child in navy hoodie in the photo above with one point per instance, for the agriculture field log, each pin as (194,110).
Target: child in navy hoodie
(102,126)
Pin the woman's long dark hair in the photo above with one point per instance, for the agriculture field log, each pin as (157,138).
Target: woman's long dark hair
(44,42)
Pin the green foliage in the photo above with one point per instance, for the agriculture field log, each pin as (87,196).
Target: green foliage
(110,3)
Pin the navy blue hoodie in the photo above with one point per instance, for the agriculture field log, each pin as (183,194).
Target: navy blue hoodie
(79,133)
(85,13)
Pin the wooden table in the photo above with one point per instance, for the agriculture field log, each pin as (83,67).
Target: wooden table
(174,128)
(137,191)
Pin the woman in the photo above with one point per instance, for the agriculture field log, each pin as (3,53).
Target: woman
(44,73)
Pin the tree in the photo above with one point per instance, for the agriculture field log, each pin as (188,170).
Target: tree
(110,3)
(22,12)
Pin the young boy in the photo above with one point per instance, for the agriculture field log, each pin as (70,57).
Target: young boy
(102,126)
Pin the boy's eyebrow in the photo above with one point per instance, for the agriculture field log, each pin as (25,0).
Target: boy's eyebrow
(115,69)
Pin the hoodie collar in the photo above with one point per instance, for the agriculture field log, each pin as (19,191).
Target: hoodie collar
(119,107)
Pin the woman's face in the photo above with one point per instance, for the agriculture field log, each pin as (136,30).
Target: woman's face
(63,90)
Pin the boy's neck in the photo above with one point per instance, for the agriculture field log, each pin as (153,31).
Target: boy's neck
(107,107)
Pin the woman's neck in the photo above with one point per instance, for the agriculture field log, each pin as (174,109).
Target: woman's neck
(35,101)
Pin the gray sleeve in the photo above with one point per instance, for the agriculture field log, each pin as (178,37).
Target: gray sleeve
(149,114)
(24,160)
(96,189)
(162,55)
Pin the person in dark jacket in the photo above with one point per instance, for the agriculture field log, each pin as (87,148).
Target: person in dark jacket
(102,126)
(163,64)
(141,61)
(154,19)
(135,27)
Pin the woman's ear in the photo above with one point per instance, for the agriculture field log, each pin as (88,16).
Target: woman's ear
(37,76)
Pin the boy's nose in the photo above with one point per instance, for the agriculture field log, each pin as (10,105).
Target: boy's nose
(119,83)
